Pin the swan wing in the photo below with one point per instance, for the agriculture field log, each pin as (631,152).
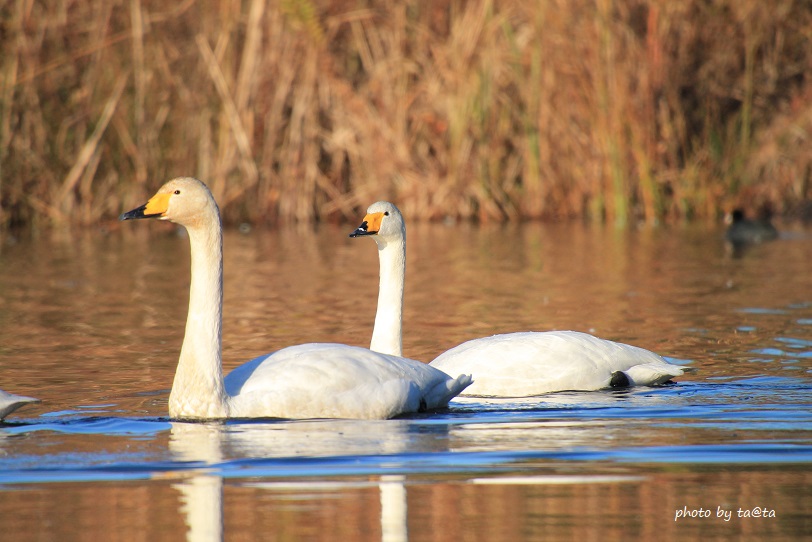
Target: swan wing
(337,381)
(533,363)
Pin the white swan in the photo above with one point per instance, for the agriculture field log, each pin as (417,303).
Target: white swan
(520,364)
(530,363)
(10,402)
(305,381)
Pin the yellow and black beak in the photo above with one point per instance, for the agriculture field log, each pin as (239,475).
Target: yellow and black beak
(370,226)
(155,207)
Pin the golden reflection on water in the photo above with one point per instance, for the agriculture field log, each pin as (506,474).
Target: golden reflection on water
(93,322)
(448,509)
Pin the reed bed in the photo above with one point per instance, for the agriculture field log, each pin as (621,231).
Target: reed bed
(302,110)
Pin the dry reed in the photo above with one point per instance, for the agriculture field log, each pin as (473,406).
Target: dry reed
(496,110)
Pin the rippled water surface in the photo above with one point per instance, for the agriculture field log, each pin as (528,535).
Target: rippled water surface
(92,324)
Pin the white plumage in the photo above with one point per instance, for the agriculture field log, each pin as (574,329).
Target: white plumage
(521,364)
(10,402)
(305,381)
(531,363)
(327,380)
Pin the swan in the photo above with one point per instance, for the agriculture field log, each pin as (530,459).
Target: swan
(305,381)
(10,402)
(521,364)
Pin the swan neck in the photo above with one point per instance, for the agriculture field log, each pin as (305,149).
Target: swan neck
(198,390)
(388,330)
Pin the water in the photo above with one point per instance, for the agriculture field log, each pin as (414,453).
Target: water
(92,324)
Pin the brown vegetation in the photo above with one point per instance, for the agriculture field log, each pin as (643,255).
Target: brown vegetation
(305,109)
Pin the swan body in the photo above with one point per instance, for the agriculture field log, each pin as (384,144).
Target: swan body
(361,384)
(525,364)
(520,364)
(305,381)
(10,402)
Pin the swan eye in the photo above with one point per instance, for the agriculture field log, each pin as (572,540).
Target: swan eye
(386,213)
(177,192)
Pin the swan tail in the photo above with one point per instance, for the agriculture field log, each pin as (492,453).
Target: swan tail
(654,374)
(10,402)
(443,392)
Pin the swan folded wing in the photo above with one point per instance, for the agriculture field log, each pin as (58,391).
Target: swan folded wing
(642,367)
(334,381)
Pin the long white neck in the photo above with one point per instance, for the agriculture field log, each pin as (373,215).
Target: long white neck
(388,331)
(198,390)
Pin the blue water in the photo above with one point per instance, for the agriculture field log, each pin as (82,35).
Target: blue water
(754,420)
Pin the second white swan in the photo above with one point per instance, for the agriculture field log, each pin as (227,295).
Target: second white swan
(521,364)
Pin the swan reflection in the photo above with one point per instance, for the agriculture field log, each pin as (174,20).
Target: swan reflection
(313,460)
(202,490)
(219,447)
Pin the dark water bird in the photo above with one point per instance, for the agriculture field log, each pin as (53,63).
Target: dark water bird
(743,231)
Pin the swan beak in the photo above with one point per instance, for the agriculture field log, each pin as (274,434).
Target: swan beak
(370,226)
(155,207)
(362,230)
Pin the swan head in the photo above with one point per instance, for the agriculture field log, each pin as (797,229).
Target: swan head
(382,219)
(184,201)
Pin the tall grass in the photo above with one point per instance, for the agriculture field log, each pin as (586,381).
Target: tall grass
(302,110)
